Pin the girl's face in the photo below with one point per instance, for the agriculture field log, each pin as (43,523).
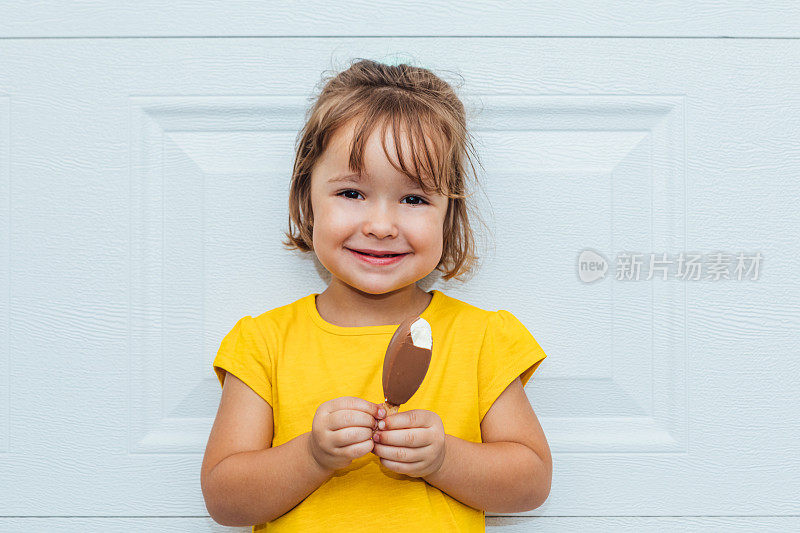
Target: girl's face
(383,210)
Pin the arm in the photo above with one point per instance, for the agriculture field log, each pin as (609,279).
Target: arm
(257,486)
(244,480)
(511,470)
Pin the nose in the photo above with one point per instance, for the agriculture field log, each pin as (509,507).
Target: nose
(381,221)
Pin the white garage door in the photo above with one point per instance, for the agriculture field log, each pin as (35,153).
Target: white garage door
(144,163)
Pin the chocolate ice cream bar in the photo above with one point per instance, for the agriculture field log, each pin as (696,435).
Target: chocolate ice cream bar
(406,362)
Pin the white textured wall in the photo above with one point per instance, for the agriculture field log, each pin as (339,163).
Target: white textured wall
(143,186)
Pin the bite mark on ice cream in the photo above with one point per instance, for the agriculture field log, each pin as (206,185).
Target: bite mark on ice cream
(421,333)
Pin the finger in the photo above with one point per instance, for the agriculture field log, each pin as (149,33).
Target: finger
(355,450)
(350,418)
(402,468)
(347,436)
(353,403)
(399,454)
(408,438)
(414,418)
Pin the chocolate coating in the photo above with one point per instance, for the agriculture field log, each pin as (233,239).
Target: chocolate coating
(404,366)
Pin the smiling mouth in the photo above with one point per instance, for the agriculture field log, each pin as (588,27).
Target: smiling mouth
(373,255)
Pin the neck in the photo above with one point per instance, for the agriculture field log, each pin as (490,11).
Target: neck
(344,305)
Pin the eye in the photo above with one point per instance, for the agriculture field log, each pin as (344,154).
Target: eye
(422,201)
(348,190)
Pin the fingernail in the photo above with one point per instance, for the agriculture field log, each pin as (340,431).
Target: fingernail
(381,424)
(381,412)
(376,437)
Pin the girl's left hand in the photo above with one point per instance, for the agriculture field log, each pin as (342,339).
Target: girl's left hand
(411,442)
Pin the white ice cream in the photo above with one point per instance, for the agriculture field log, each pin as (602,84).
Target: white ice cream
(421,333)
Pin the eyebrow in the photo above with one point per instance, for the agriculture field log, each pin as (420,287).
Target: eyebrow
(356,178)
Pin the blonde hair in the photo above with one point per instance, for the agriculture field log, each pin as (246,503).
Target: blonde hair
(411,99)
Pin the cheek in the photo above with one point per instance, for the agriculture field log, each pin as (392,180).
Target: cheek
(330,220)
(337,220)
(427,229)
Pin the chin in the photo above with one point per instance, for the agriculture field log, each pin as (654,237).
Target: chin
(379,286)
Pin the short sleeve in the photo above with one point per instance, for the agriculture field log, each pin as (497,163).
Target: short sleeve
(243,352)
(509,350)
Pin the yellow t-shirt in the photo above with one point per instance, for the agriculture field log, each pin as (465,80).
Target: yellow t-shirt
(295,360)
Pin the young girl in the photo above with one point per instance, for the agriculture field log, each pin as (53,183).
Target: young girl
(299,442)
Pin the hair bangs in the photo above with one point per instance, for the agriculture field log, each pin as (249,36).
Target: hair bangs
(417,154)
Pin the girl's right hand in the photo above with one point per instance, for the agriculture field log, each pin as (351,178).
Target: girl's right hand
(342,430)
